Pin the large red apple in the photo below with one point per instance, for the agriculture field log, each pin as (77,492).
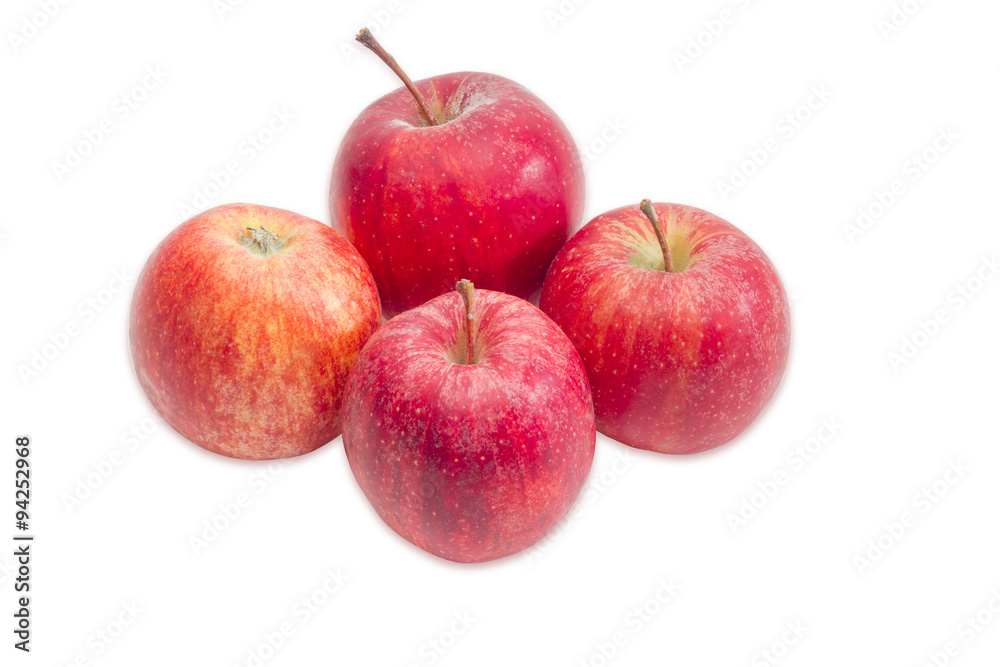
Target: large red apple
(684,333)
(474,455)
(479,179)
(245,322)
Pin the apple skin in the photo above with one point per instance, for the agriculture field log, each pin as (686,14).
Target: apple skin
(489,196)
(247,355)
(470,462)
(679,362)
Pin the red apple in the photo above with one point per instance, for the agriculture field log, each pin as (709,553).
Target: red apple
(684,335)
(475,456)
(466,175)
(245,322)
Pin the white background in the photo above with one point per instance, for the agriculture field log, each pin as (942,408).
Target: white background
(671,132)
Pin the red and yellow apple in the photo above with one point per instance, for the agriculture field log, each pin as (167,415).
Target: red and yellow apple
(245,322)
(681,321)
(464,175)
(469,424)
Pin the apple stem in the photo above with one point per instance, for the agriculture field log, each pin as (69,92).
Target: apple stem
(646,207)
(468,292)
(368,39)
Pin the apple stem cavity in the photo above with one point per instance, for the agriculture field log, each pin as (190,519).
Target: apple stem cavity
(468,292)
(262,241)
(646,207)
(368,39)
